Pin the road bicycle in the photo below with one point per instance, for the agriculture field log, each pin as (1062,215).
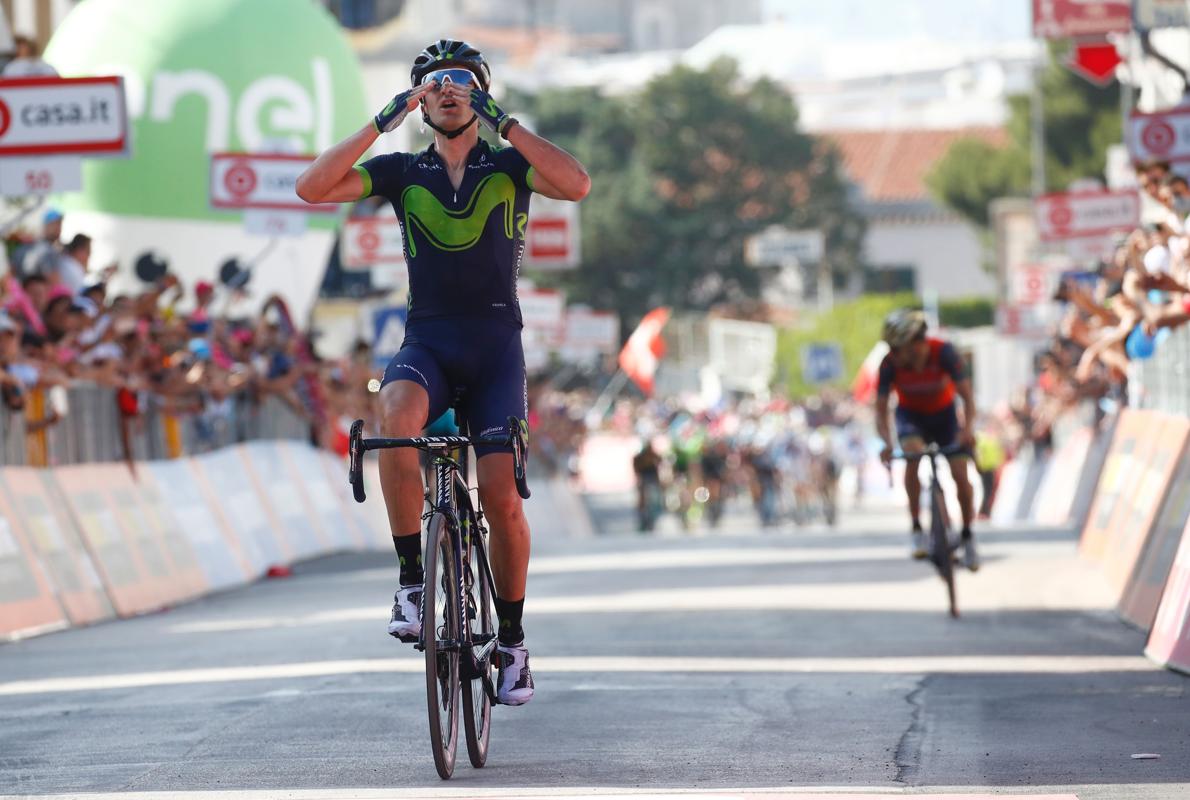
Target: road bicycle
(941,542)
(458,633)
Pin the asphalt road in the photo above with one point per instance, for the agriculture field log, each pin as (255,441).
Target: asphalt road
(734,663)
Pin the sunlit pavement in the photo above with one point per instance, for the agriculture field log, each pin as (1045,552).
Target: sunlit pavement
(726,664)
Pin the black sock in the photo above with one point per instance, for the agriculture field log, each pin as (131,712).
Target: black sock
(966,534)
(509,614)
(409,554)
(917,526)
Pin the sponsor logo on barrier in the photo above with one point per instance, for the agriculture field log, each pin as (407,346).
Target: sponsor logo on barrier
(1169,642)
(1143,595)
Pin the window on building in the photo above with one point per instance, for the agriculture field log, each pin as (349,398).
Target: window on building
(889,280)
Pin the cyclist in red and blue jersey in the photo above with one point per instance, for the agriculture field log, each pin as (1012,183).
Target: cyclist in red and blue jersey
(926,374)
(463,206)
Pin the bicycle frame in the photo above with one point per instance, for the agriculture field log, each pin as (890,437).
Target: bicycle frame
(452,500)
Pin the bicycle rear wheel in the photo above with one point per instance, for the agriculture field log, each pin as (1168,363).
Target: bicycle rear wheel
(940,550)
(440,632)
(477,704)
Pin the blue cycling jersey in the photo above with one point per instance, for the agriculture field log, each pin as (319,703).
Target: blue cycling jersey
(463,247)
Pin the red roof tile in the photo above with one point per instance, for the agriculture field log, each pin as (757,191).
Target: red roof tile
(892,165)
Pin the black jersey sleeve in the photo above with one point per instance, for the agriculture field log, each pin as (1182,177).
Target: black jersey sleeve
(516,166)
(384,175)
(951,362)
(885,376)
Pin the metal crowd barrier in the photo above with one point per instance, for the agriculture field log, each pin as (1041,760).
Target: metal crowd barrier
(1164,378)
(91,430)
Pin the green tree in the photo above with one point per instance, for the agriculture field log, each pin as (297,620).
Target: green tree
(682,173)
(1081,121)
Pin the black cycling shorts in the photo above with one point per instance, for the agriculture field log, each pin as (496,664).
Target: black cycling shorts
(480,357)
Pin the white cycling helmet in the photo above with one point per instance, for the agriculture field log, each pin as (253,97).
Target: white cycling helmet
(902,327)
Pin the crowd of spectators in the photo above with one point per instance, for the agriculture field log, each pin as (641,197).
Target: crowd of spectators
(196,352)
(1121,311)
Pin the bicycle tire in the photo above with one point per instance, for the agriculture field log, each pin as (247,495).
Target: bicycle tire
(940,550)
(440,625)
(477,705)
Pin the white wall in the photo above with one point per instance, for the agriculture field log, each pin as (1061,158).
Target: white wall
(946,254)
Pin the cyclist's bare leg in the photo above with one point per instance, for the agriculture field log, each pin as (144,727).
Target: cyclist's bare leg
(505,513)
(913,447)
(405,407)
(962,482)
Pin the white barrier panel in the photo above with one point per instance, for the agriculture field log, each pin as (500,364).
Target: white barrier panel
(58,544)
(341,533)
(243,509)
(1008,495)
(219,553)
(277,481)
(27,602)
(373,528)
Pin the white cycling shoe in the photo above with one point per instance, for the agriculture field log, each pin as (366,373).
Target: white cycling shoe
(515,685)
(405,623)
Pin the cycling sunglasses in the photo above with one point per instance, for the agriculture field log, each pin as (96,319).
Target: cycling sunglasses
(450,75)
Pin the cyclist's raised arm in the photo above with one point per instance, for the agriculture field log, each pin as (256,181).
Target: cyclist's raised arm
(332,177)
(556,173)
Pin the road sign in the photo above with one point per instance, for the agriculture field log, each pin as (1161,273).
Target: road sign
(543,310)
(822,362)
(1069,215)
(260,180)
(268,222)
(552,236)
(1095,61)
(588,334)
(388,332)
(1150,14)
(1032,284)
(1062,19)
(742,353)
(38,175)
(54,116)
(777,246)
(1164,135)
(371,241)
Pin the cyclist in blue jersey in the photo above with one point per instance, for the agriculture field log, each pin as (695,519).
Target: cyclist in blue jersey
(463,206)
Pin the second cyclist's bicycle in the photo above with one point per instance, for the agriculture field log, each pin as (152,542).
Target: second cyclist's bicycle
(941,541)
(458,633)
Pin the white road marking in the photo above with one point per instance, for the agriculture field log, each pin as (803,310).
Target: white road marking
(600,665)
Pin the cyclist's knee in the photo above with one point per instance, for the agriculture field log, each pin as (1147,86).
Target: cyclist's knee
(405,409)
(502,504)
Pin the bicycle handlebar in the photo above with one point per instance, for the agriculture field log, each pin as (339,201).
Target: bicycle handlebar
(358,445)
(934,450)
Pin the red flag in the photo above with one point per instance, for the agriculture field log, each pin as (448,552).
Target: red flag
(644,349)
(863,388)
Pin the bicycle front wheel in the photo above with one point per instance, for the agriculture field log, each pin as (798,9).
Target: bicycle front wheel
(477,704)
(440,632)
(940,550)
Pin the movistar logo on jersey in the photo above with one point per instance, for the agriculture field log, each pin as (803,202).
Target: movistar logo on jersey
(458,230)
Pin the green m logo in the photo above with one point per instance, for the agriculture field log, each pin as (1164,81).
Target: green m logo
(492,109)
(458,230)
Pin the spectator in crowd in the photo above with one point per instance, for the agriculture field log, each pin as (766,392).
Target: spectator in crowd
(40,257)
(27,61)
(71,268)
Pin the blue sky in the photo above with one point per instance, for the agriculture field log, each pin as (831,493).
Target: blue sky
(889,20)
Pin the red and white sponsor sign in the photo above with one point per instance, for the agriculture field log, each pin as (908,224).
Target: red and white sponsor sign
(552,237)
(1032,284)
(1070,215)
(1061,19)
(370,241)
(1164,135)
(260,180)
(543,310)
(55,116)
